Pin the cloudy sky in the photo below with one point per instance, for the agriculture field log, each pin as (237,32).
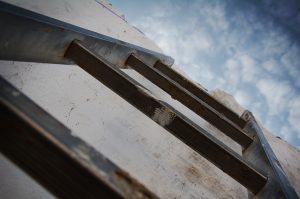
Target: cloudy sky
(250,49)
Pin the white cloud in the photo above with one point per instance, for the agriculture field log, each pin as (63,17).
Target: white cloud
(256,108)
(277,94)
(244,98)
(184,41)
(215,16)
(205,72)
(254,54)
(294,114)
(241,68)
(233,72)
(273,67)
(236,37)
(291,62)
(250,71)
(274,42)
(286,133)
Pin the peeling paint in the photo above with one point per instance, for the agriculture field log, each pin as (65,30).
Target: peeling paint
(132,188)
(84,153)
(15,93)
(81,151)
(163,116)
(145,91)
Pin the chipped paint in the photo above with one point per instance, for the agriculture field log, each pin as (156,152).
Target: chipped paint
(15,93)
(82,152)
(145,91)
(163,116)
(132,188)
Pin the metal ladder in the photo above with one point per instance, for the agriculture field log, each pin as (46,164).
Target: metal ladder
(28,129)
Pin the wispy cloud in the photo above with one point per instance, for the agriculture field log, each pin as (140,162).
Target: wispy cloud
(277,94)
(250,49)
(291,62)
(294,115)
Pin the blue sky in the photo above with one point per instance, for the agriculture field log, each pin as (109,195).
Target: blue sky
(250,49)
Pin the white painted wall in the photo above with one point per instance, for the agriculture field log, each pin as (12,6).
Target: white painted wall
(115,128)
(89,14)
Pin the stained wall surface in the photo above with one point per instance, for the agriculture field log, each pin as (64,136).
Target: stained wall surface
(114,127)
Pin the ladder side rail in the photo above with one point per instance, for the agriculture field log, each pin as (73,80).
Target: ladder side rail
(32,37)
(49,152)
(262,156)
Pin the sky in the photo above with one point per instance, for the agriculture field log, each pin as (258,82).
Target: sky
(250,49)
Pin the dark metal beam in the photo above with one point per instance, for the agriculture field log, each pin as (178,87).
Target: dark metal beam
(200,93)
(60,161)
(262,156)
(191,101)
(176,123)
(32,37)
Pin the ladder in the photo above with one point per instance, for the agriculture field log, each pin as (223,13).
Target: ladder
(45,148)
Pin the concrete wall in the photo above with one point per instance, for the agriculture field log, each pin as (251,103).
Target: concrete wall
(115,128)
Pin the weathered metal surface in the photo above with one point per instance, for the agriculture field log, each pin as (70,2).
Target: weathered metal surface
(32,37)
(189,100)
(63,163)
(200,93)
(261,155)
(177,124)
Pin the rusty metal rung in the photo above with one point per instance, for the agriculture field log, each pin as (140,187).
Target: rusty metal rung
(191,101)
(177,124)
(199,93)
(63,163)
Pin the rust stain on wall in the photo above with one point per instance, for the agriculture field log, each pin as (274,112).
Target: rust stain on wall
(192,174)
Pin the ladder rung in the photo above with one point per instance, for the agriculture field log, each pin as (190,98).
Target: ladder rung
(63,163)
(177,124)
(200,93)
(191,101)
